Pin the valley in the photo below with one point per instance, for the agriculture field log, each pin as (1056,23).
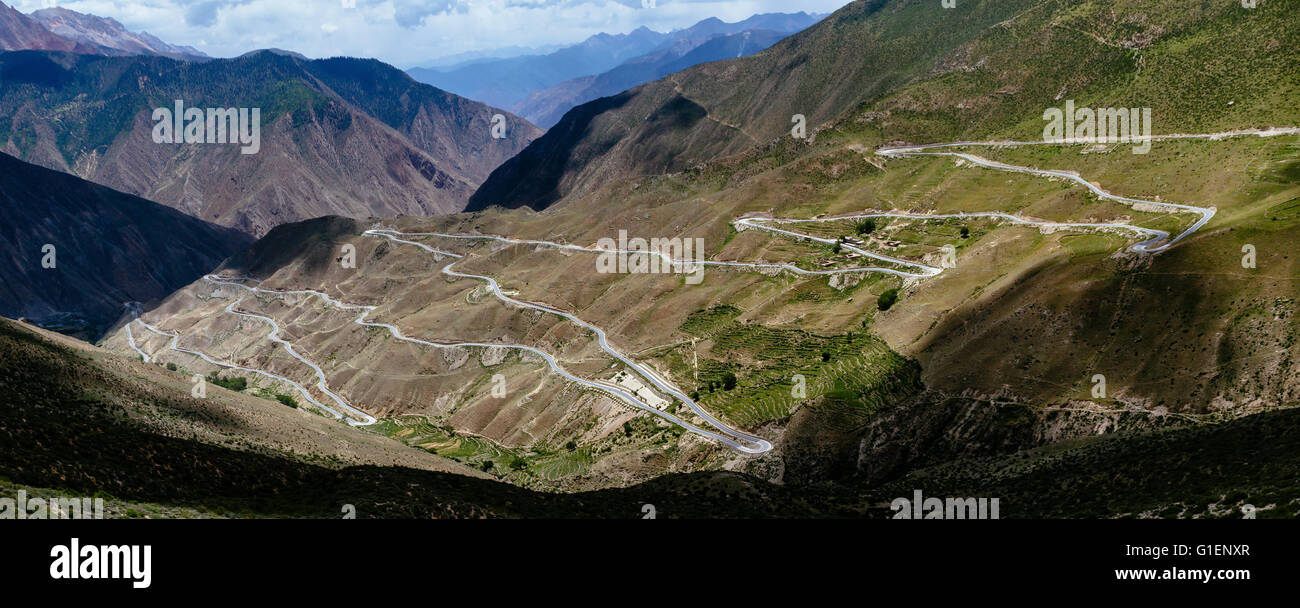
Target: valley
(795,267)
(749,410)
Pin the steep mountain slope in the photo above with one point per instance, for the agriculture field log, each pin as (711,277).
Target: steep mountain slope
(108,36)
(545,108)
(109,248)
(341,136)
(503,82)
(447,126)
(914,71)
(713,110)
(20,32)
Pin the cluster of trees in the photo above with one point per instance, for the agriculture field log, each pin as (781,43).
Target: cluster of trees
(233,384)
(727,383)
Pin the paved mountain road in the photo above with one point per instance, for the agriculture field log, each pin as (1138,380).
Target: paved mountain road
(1155,241)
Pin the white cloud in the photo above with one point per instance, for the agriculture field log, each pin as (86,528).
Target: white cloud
(407,32)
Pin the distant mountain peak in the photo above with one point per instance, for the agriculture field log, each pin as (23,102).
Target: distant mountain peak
(280,52)
(61,29)
(18,32)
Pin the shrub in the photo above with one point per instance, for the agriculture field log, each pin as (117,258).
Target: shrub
(887,299)
(171,367)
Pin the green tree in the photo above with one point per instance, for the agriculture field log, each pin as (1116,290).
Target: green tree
(728,381)
(287,400)
(866,227)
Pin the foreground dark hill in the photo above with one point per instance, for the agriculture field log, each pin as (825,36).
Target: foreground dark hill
(207,457)
(338,137)
(108,248)
(910,70)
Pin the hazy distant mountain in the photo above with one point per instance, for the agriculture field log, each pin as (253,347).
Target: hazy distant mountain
(710,40)
(519,83)
(108,34)
(460,60)
(347,137)
(504,82)
(108,248)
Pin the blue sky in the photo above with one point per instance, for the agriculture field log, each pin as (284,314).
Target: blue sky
(407,33)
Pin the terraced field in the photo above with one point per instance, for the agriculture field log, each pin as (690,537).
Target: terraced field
(776,370)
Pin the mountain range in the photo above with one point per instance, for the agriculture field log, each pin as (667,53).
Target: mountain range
(706,41)
(543,87)
(338,136)
(108,36)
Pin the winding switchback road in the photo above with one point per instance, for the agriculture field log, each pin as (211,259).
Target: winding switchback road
(1155,241)
(175,345)
(741,441)
(550,360)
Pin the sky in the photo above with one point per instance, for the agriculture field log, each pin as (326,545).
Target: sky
(407,33)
